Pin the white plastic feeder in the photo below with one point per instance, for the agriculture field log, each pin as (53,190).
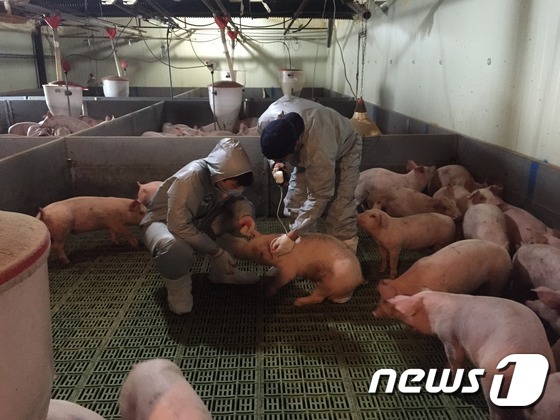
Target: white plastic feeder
(225,101)
(115,86)
(57,99)
(26,355)
(291,81)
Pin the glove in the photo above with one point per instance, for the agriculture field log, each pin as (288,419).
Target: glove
(247,226)
(281,246)
(223,262)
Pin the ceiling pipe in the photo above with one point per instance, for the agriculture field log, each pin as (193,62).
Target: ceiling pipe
(296,15)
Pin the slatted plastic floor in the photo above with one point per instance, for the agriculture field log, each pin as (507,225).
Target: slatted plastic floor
(247,357)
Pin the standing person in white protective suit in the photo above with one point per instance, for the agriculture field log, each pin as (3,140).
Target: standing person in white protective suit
(199,209)
(325,152)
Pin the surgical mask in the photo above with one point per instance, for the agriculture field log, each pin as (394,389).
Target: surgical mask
(232,193)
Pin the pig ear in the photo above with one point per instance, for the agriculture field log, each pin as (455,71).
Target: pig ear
(408,306)
(549,297)
(386,290)
(410,165)
(384,219)
(376,205)
(134,204)
(138,183)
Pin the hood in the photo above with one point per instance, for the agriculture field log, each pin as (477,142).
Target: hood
(228,159)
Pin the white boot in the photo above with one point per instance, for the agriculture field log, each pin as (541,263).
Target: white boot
(352,243)
(217,275)
(179,296)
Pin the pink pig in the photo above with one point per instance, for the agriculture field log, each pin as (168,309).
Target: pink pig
(486,221)
(456,196)
(410,232)
(533,266)
(156,390)
(547,306)
(467,266)
(404,201)
(452,175)
(86,214)
(66,410)
(321,258)
(479,328)
(372,179)
(147,191)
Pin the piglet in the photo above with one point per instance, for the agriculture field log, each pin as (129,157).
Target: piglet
(547,306)
(20,128)
(404,201)
(147,191)
(157,390)
(417,178)
(66,410)
(486,221)
(534,265)
(456,196)
(479,328)
(71,123)
(410,232)
(467,266)
(86,214)
(453,175)
(321,258)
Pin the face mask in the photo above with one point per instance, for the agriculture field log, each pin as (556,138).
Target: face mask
(232,193)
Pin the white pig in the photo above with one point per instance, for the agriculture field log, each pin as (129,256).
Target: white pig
(20,128)
(547,306)
(410,232)
(404,201)
(535,265)
(417,178)
(456,196)
(66,410)
(453,175)
(481,329)
(486,221)
(467,266)
(73,124)
(147,191)
(157,390)
(321,258)
(86,214)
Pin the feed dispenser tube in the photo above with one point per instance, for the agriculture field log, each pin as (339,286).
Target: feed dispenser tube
(225,99)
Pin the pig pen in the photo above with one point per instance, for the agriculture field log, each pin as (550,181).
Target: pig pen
(246,356)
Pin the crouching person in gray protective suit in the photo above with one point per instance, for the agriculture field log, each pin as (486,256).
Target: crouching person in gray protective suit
(198,209)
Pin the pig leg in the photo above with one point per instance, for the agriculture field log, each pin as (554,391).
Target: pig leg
(384,253)
(280,279)
(394,262)
(455,355)
(58,248)
(317,296)
(115,232)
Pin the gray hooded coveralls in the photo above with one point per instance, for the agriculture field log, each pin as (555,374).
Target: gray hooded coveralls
(326,168)
(187,213)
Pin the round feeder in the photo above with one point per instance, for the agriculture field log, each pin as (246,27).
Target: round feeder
(115,86)
(62,101)
(291,81)
(26,355)
(225,99)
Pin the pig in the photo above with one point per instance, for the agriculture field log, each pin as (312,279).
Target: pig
(417,178)
(156,390)
(147,191)
(454,194)
(66,410)
(467,266)
(321,258)
(453,175)
(86,214)
(486,221)
(20,128)
(534,265)
(410,232)
(548,407)
(404,201)
(72,123)
(482,329)
(547,306)
(179,130)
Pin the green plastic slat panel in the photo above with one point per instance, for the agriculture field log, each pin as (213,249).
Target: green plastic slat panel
(247,357)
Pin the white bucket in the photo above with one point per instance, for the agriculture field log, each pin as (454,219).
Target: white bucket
(291,81)
(26,354)
(115,86)
(225,101)
(57,100)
